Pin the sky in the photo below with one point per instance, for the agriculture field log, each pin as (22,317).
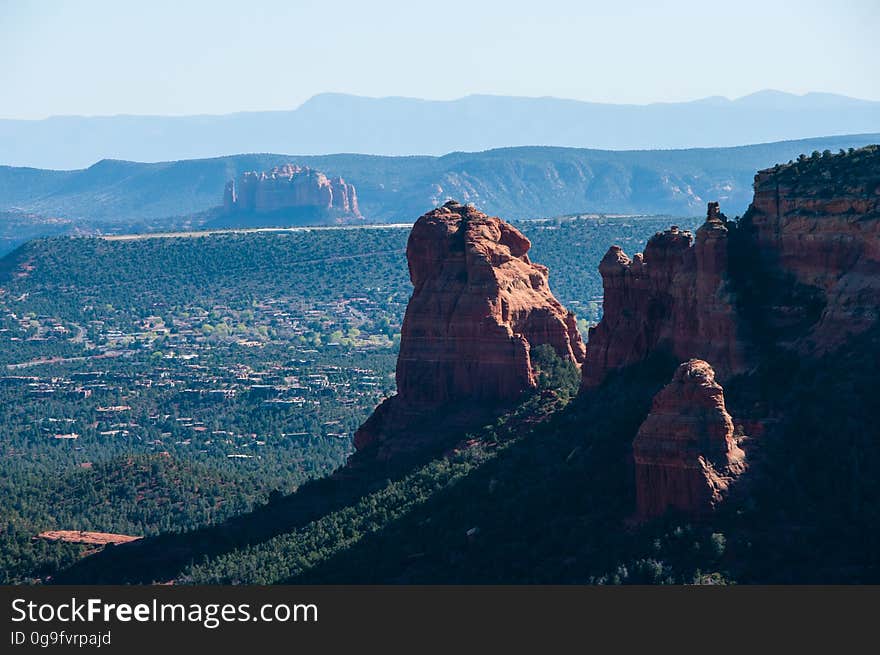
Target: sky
(106,57)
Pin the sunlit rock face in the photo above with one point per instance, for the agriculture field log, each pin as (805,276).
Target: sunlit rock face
(674,297)
(800,269)
(478,307)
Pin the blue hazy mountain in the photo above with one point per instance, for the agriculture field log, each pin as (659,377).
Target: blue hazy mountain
(330,123)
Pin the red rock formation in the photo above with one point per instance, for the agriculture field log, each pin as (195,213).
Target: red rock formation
(290,186)
(685,454)
(674,298)
(478,306)
(811,246)
(804,265)
(819,221)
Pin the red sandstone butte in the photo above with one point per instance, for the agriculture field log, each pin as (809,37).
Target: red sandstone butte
(478,307)
(685,453)
(674,297)
(290,186)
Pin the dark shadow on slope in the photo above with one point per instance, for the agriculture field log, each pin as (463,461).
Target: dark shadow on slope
(808,508)
(551,508)
(811,513)
(772,306)
(163,557)
(554,507)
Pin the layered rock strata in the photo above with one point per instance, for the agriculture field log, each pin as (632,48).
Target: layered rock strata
(803,272)
(799,272)
(818,222)
(478,307)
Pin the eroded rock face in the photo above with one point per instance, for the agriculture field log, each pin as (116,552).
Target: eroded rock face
(818,221)
(290,186)
(800,270)
(685,453)
(674,297)
(478,307)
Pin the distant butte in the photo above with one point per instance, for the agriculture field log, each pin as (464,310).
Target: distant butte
(290,187)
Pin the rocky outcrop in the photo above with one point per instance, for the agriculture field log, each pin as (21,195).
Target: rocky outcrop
(675,297)
(798,273)
(478,307)
(817,222)
(800,270)
(290,187)
(685,453)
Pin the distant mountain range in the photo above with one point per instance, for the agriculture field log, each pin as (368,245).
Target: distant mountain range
(514,183)
(403,126)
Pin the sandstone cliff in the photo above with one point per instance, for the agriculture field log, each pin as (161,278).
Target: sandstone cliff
(478,307)
(799,274)
(685,454)
(290,187)
(675,297)
(801,269)
(816,223)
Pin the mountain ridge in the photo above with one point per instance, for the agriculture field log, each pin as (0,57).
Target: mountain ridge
(748,97)
(521,182)
(333,122)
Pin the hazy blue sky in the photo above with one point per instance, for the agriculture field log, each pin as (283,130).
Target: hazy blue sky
(180,57)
